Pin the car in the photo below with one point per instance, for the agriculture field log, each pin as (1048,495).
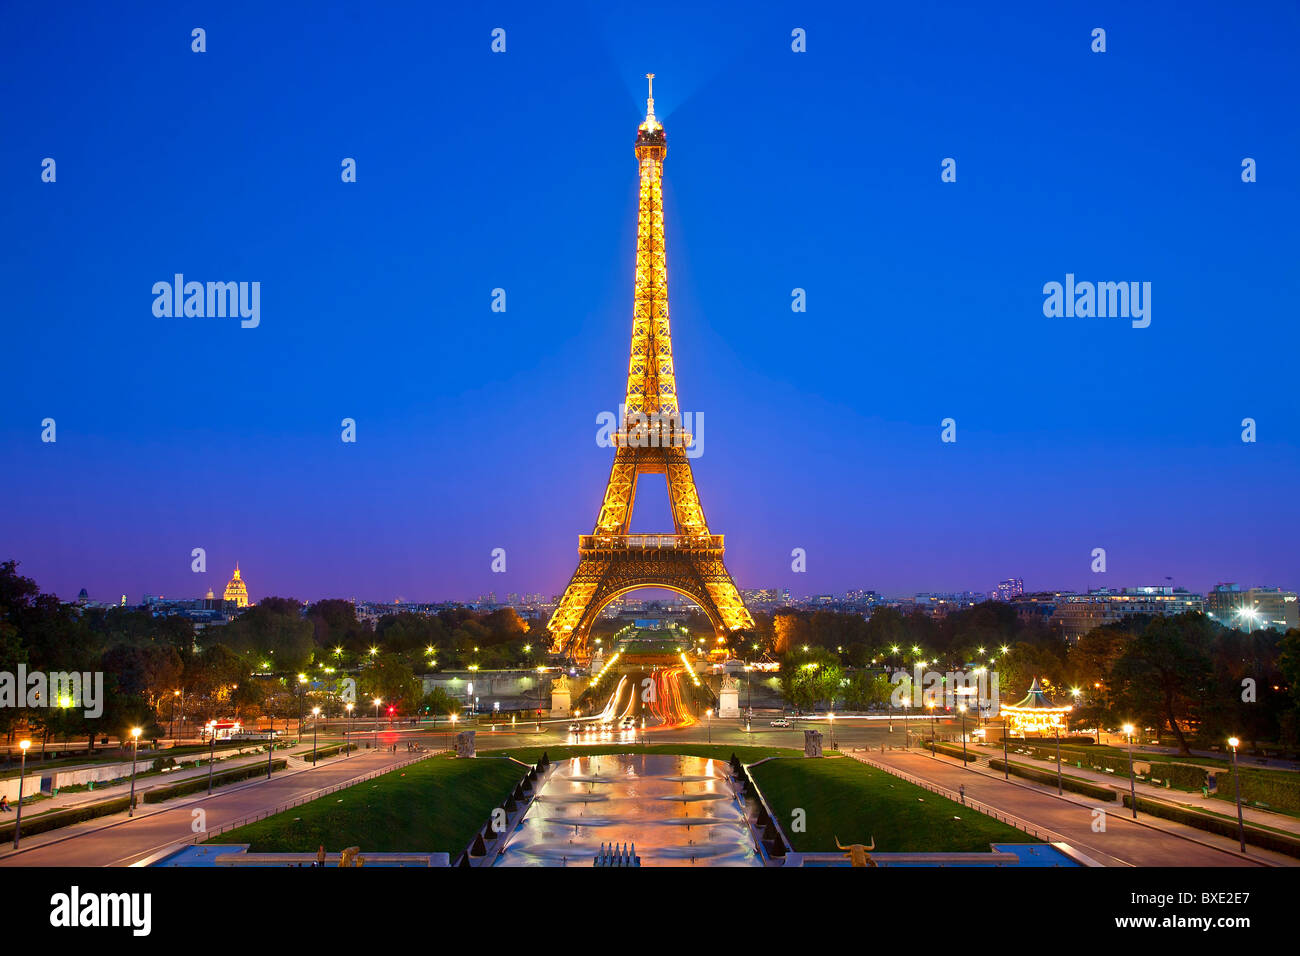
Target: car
(629,723)
(780,722)
(575,728)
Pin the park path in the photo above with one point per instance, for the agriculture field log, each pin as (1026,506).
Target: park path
(122,841)
(103,792)
(1124,842)
(1188,798)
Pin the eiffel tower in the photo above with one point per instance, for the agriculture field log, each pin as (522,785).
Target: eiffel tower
(650,440)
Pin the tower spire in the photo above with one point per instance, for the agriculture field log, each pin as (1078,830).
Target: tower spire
(651,440)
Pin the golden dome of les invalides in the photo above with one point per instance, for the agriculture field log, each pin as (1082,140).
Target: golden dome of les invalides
(236,590)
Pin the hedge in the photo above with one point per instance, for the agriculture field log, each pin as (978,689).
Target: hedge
(950,751)
(62,818)
(1067,783)
(195,784)
(324,752)
(1185,776)
(1257,789)
(1264,839)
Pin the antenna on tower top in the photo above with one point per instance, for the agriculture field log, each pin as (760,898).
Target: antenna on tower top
(650,99)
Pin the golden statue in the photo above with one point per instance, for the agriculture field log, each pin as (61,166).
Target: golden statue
(858,854)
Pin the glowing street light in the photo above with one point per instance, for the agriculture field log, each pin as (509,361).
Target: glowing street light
(212,751)
(1132,786)
(135,749)
(962,709)
(1234,743)
(22,772)
(934,734)
(378,701)
(315,725)
(347,747)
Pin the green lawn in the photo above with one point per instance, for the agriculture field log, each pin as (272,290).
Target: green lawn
(856,802)
(435,805)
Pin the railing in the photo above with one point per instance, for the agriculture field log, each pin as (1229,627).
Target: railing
(647,542)
(308,797)
(1040,833)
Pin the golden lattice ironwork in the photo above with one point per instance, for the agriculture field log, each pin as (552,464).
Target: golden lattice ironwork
(651,440)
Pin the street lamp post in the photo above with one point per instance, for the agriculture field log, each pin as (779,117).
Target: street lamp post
(212,751)
(270,749)
(708,716)
(378,701)
(1006,759)
(1132,784)
(831,716)
(22,772)
(135,749)
(347,733)
(171,731)
(315,725)
(1059,789)
(934,732)
(962,709)
(1233,742)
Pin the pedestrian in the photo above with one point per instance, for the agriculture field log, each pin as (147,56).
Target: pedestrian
(4,803)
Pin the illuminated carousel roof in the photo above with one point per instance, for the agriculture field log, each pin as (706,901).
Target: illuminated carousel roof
(1035,700)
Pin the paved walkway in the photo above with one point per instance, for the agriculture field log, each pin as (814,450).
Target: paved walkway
(1124,842)
(1188,798)
(122,841)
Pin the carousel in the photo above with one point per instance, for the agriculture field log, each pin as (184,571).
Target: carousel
(1036,715)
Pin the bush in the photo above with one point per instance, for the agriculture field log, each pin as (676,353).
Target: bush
(1264,839)
(1261,789)
(324,752)
(949,751)
(1067,783)
(62,818)
(1184,776)
(195,784)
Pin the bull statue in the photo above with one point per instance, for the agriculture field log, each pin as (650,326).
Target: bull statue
(858,854)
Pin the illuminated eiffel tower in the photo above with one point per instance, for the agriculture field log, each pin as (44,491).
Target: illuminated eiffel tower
(650,440)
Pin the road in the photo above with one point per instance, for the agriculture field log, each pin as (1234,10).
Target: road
(122,841)
(119,841)
(1123,843)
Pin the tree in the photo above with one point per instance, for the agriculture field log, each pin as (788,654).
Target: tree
(1165,672)
(438,702)
(391,679)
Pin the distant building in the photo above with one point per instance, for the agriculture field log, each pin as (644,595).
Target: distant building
(236,590)
(1077,614)
(1253,608)
(765,597)
(942,603)
(1039,606)
(1009,590)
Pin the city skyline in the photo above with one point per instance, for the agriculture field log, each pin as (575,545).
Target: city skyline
(477,430)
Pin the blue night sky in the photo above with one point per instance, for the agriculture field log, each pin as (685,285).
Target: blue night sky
(819,170)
